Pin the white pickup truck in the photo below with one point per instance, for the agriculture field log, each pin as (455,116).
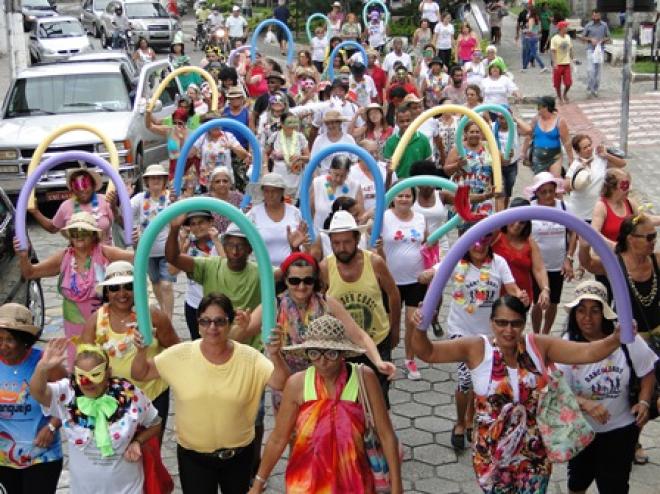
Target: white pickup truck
(102,94)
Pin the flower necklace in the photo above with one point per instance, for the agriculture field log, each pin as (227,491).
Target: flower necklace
(289,147)
(95,206)
(202,249)
(74,273)
(330,189)
(481,294)
(115,347)
(148,211)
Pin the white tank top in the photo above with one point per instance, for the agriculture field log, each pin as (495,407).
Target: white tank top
(274,232)
(435,217)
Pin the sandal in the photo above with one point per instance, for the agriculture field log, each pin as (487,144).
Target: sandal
(437,329)
(457,440)
(641,458)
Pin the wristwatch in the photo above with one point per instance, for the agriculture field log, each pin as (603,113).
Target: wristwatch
(52,428)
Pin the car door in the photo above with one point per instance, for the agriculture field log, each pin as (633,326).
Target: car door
(155,147)
(33,44)
(12,287)
(87,16)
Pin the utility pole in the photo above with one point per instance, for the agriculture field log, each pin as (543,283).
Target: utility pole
(627,76)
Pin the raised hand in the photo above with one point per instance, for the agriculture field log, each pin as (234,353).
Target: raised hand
(55,354)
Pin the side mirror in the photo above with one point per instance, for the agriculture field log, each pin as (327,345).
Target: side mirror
(33,36)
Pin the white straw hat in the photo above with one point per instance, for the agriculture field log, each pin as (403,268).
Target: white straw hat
(592,290)
(343,221)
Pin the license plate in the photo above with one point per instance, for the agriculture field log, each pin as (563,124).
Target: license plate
(159,35)
(58,196)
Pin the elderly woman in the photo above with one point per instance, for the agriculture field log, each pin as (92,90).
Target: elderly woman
(496,87)
(327,188)
(351,30)
(503,458)
(289,151)
(603,393)
(433,83)
(217,384)
(333,121)
(479,279)
(113,326)
(31,453)
(301,303)
(474,68)
(557,246)
(322,408)
(79,268)
(106,420)
(280,224)
(83,183)
(586,175)
(221,181)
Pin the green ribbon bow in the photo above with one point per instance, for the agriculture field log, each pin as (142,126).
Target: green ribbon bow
(100,409)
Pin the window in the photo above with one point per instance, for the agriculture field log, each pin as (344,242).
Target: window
(145,10)
(62,29)
(100,4)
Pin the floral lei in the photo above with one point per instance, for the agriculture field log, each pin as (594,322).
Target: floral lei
(289,148)
(481,294)
(149,212)
(199,248)
(330,190)
(95,206)
(115,348)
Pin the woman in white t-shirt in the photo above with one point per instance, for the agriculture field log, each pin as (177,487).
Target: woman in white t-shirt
(275,220)
(319,46)
(431,202)
(404,234)
(602,391)
(478,280)
(430,11)
(376,31)
(443,39)
(497,88)
(586,175)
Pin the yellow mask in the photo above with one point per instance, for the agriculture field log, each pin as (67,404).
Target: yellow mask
(94,376)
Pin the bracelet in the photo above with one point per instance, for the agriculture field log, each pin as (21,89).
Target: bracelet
(259,478)
(645,403)
(570,258)
(545,288)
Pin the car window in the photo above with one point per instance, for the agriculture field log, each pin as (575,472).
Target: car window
(145,10)
(153,80)
(100,4)
(62,29)
(65,94)
(111,6)
(37,3)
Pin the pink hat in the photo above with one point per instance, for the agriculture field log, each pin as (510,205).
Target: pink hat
(562,25)
(542,179)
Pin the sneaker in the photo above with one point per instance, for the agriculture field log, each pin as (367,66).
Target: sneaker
(544,70)
(411,371)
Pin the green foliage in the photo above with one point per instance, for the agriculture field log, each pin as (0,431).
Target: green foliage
(559,8)
(403,27)
(644,67)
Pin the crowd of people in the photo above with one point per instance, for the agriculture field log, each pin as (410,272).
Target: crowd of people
(345,298)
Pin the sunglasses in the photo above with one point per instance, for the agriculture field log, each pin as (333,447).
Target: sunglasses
(80,234)
(314,354)
(514,323)
(295,280)
(624,185)
(126,286)
(218,322)
(81,183)
(650,237)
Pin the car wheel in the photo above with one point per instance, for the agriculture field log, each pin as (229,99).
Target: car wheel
(97,31)
(104,39)
(35,302)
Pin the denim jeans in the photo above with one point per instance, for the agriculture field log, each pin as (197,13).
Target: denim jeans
(531,51)
(593,74)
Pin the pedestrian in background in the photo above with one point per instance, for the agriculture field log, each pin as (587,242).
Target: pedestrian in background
(595,34)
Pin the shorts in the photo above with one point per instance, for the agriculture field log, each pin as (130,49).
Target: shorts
(413,294)
(509,174)
(158,271)
(281,35)
(562,73)
(555,282)
(495,31)
(544,158)
(463,376)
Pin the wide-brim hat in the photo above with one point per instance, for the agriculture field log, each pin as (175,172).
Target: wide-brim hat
(592,290)
(235,92)
(116,273)
(325,333)
(96,177)
(333,116)
(540,179)
(17,317)
(343,221)
(581,179)
(156,170)
(81,220)
(268,180)
(276,75)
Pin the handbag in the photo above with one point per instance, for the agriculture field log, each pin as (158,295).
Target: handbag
(430,255)
(564,430)
(372,446)
(157,479)
(635,386)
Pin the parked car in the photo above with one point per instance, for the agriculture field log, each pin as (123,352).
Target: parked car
(15,288)
(45,97)
(57,38)
(90,17)
(109,56)
(36,9)
(148,19)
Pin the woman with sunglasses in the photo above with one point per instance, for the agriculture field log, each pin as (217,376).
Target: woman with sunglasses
(300,304)
(79,267)
(217,384)
(112,329)
(506,366)
(84,184)
(106,420)
(30,451)
(323,410)
(478,279)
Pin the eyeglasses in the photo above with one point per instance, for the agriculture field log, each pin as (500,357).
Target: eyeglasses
(314,354)
(80,234)
(218,322)
(650,237)
(295,280)
(128,287)
(514,323)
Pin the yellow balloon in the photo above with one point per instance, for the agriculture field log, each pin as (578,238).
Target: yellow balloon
(475,117)
(43,145)
(183,70)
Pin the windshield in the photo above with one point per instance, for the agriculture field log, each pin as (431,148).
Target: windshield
(144,10)
(100,4)
(63,94)
(31,4)
(62,29)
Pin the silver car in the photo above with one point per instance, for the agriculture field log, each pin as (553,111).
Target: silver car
(57,38)
(92,10)
(148,19)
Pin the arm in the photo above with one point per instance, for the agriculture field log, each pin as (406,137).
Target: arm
(162,130)
(598,219)
(117,254)
(572,352)
(89,331)
(641,409)
(163,329)
(54,357)
(565,137)
(593,264)
(469,349)
(143,368)
(515,291)
(388,285)
(540,275)
(173,255)
(45,223)
(44,269)
(454,162)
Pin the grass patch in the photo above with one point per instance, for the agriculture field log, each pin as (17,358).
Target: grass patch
(617,33)
(515,10)
(644,67)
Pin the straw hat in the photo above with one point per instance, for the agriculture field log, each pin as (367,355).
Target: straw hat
(581,179)
(326,333)
(540,180)
(156,170)
(72,172)
(235,92)
(343,221)
(276,75)
(592,290)
(81,221)
(17,317)
(116,273)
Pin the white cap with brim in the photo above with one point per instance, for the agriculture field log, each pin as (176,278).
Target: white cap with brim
(343,221)
(233,231)
(591,290)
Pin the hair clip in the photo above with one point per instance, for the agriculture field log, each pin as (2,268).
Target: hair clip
(640,213)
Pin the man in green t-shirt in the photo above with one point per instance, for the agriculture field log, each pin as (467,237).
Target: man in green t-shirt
(546,19)
(418,148)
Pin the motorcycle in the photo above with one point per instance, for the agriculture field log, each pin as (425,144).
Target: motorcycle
(123,41)
(202,35)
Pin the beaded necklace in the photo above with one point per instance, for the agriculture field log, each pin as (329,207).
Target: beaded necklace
(460,294)
(115,347)
(148,211)
(330,189)
(95,206)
